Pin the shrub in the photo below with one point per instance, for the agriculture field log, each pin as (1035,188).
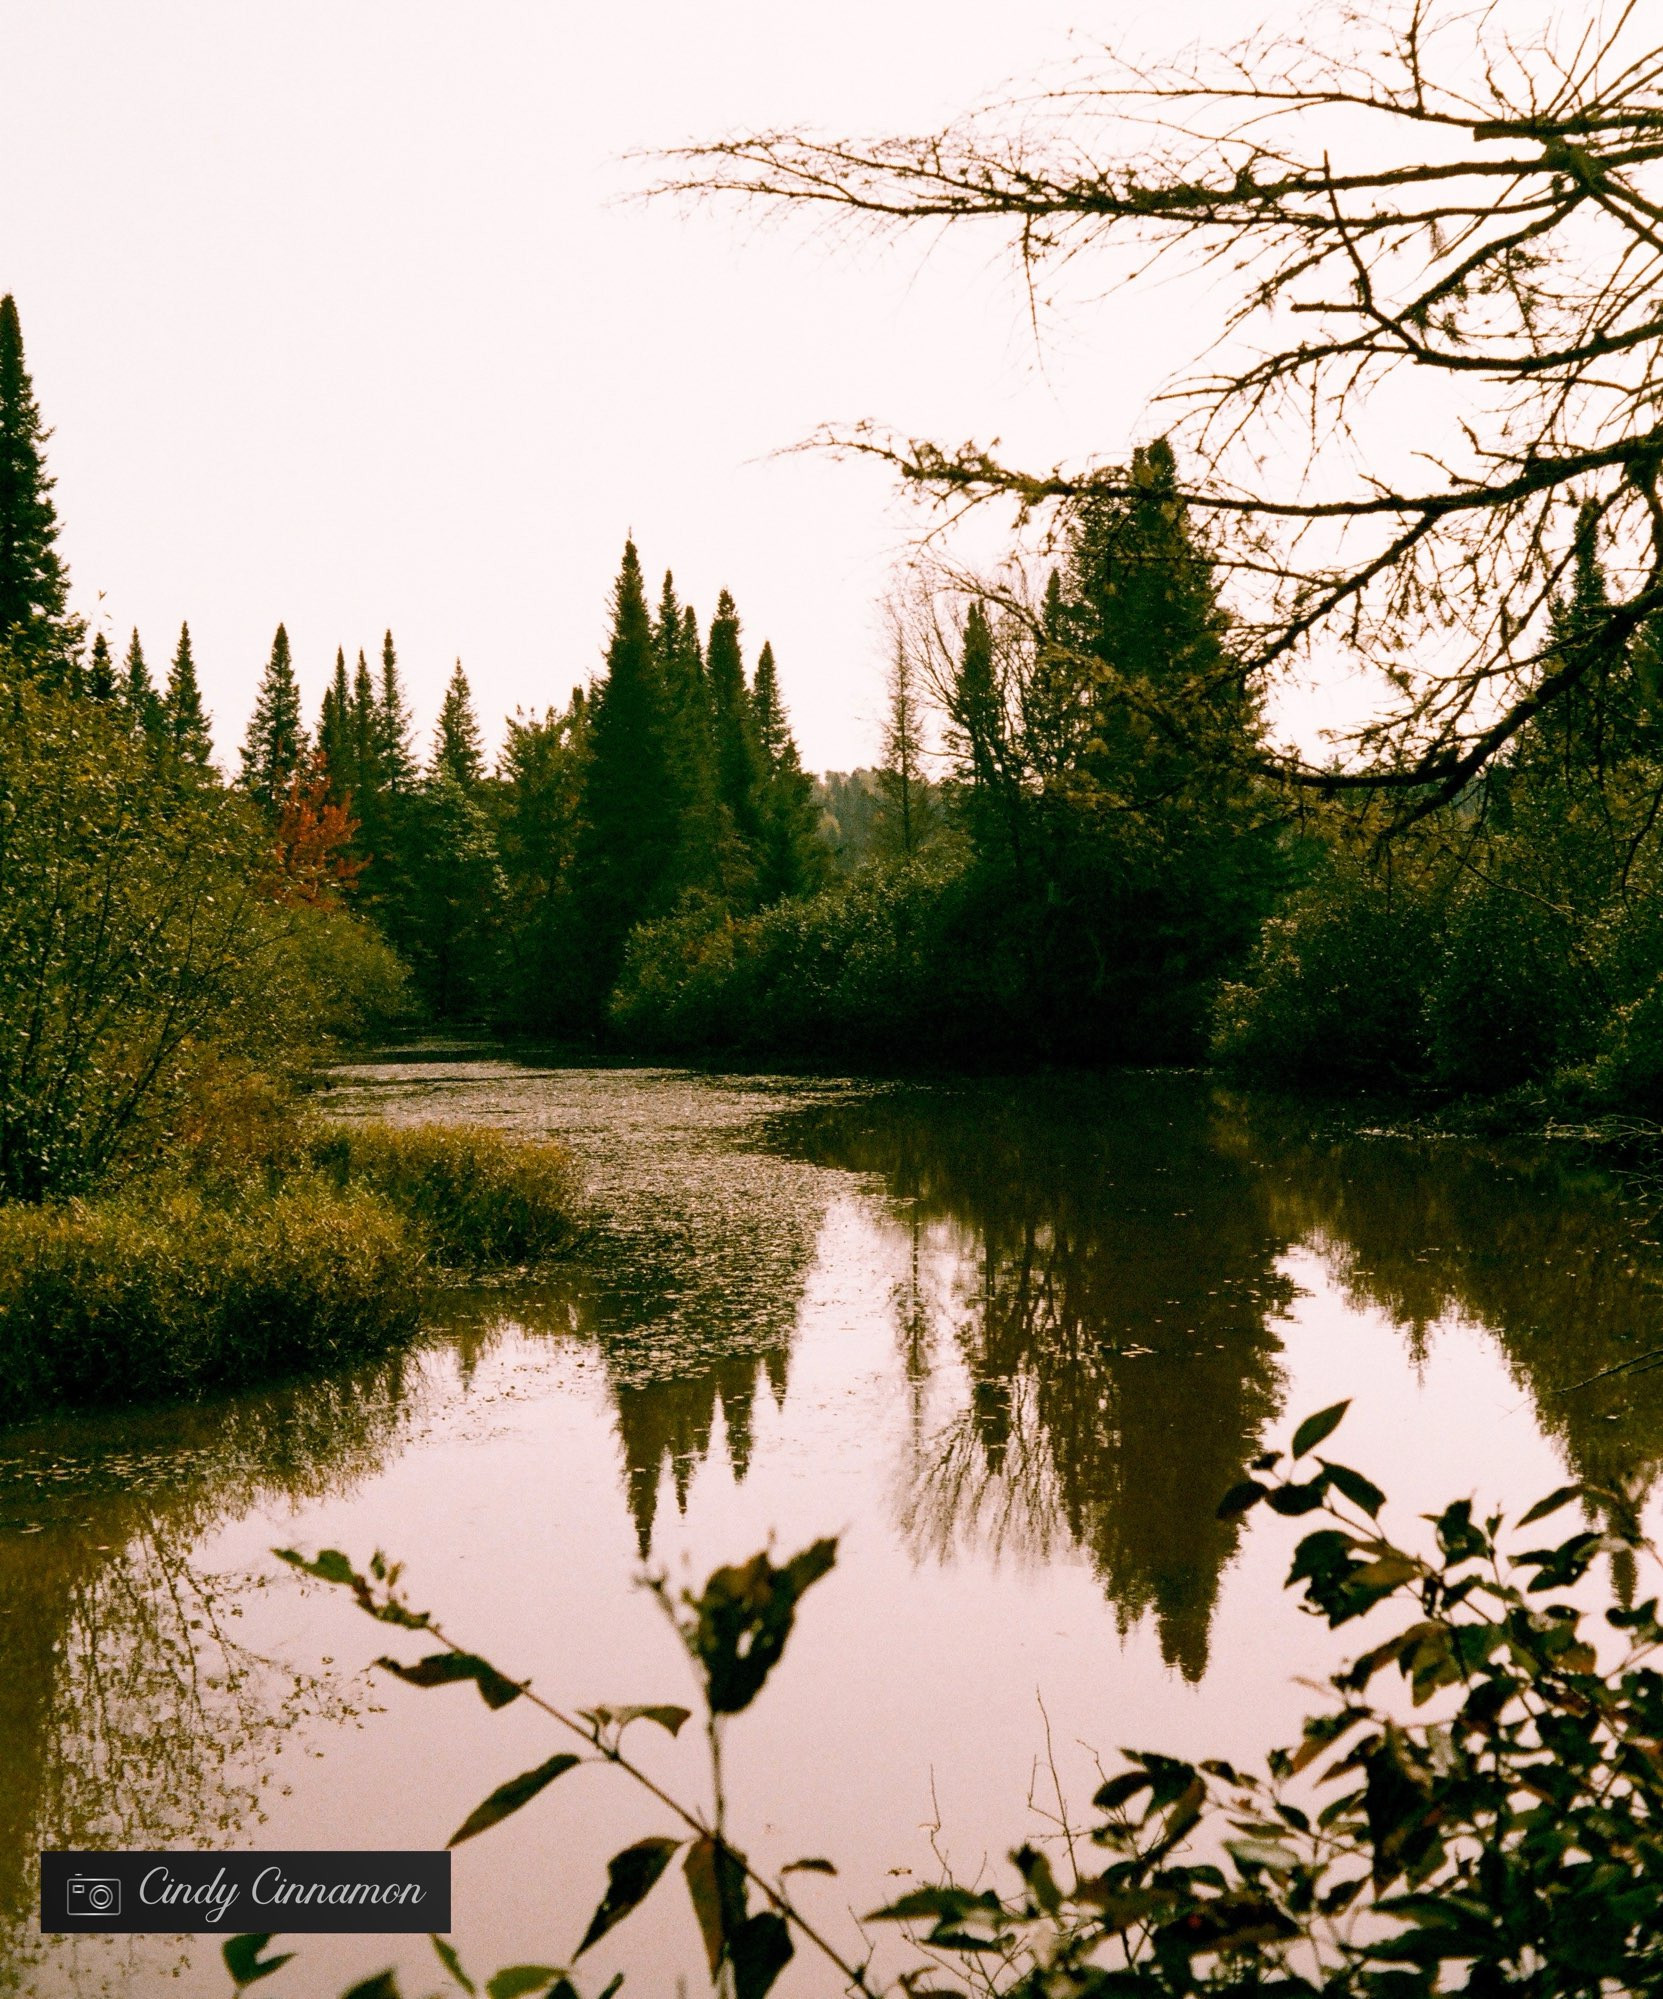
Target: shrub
(178,1291)
(478,1197)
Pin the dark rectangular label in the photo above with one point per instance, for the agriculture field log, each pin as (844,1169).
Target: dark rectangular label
(222,1894)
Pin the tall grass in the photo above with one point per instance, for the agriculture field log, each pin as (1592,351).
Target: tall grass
(140,1296)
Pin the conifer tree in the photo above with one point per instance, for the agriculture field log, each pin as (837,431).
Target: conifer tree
(905,819)
(100,681)
(335,736)
(739,770)
(396,758)
(184,719)
(138,692)
(368,778)
(275,746)
(792,860)
(629,836)
(457,748)
(991,794)
(35,625)
(697,864)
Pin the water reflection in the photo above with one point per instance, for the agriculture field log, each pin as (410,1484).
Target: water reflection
(130,1713)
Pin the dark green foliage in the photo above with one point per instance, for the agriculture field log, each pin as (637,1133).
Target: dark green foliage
(738,752)
(337,741)
(99,684)
(139,698)
(184,719)
(35,625)
(276,745)
(791,857)
(395,757)
(445,918)
(538,804)
(628,838)
(458,752)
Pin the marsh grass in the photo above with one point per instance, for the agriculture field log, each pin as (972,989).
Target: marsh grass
(174,1292)
(480,1199)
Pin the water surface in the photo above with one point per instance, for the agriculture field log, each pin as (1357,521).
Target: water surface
(1010,1342)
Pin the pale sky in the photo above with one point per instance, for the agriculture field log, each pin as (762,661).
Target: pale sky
(338,317)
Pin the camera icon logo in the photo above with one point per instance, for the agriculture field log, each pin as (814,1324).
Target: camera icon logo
(93,1895)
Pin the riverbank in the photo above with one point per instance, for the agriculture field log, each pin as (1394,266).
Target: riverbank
(288,1246)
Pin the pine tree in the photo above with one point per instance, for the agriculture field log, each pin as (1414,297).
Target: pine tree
(991,801)
(35,624)
(100,682)
(276,745)
(698,861)
(368,779)
(457,749)
(138,692)
(793,857)
(738,754)
(395,754)
(335,737)
(184,719)
(629,837)
(906,818)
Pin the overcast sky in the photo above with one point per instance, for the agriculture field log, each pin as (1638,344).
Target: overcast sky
(338,317)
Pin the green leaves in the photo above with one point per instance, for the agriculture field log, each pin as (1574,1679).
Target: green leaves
(619,1718)
(630,1878)
(507,1798)
(743,1619)
(443,1669)
(516,1980)
(331,1566)
(243,1959)
(1315,1428)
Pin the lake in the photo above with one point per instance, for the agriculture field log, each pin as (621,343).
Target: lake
(1009,1341)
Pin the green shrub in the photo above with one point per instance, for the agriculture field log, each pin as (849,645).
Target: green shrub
(478,1197)
(175,1292)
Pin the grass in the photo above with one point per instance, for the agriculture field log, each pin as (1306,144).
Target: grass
(264,1259)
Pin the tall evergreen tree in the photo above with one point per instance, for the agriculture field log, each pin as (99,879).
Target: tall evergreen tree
(739,769)
(100,681)
(275,746)
(35,624)
(457,747)
(335,736)
(991,789)
(698,860)
(185,720)
(905,819)
(368,777)
(138,692)
(628,841)
(395,751)
(792,854)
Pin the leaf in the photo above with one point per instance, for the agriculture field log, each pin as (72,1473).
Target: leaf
(716,1883)
(814,1865)
(243,1960)
(946,1905)
(451,1962)
(1035,1869)
(331,1566)
(382,1986)
(630,1878)
(1240,1498)
(508,1798)
(443,1669)
(1359,1490)
(670,1718)
(744,1618)
(1552,1504)
(759,1951)
(1314,1428)
(1292,1500)
(515,1980)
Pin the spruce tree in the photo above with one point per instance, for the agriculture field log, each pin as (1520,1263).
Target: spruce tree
(335,735)
(457,748)
(991,802)
(138,692)
(793,857)
(697,864)
(739,771)
(906,818)
(395,754)
(629,836)
(368,778)
(100,681)
(184,719)
(275,746)
(35,625)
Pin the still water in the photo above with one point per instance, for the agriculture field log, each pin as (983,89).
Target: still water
(1009,1342)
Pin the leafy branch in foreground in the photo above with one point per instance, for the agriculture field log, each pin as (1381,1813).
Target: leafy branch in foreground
(1417,204)
(1503,1824)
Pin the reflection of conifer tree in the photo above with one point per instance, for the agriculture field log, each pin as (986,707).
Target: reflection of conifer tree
(1117,1335)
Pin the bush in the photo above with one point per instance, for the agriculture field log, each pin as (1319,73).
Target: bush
(478,1197)
(179,1291)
